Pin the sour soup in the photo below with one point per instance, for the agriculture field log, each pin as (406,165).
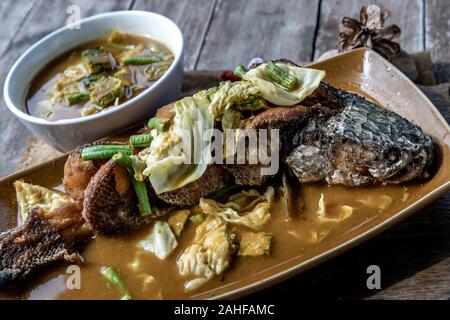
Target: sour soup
(97,76)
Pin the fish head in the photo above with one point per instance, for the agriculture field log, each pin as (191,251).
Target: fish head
(389,147)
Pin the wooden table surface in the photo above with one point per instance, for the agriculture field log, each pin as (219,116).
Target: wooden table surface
(220,34)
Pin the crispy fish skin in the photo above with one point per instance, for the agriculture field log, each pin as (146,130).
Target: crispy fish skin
(213,179)
(363,144)
(43,239)
(78,173)
(110,203)
(287,120)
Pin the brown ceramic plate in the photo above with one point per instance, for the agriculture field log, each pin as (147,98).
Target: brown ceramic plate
(362,71)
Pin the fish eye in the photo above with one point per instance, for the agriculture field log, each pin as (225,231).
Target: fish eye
(392,155)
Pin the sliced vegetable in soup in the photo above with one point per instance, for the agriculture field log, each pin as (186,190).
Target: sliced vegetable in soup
(97,76)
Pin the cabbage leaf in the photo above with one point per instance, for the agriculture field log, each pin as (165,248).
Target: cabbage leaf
(181,154)
(161,241)
(308,79)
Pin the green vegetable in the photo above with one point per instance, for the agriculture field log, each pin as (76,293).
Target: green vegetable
(123,159)
(140,60)
(240,71)
(114,278)
(280,76)
(103,151)
(142,194)
(77,98)
(229,188)
(198,218)
(141,141)
(154,49)
(157,123)
(107,91)
(96,60)
(140,188)
(251,104)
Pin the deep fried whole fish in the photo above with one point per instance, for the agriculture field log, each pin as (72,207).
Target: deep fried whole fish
(358,143)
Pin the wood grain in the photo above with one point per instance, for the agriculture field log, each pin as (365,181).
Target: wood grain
(437,36)
(12,13)
(43,18)
(408,15)
(241,30)
(192,16)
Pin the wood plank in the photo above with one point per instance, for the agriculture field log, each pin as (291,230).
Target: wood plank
(241,30)
(192,16)
(437,36)
(12,13)
(43,18)
(408,15)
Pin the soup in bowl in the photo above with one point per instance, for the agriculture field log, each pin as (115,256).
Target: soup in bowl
(80,110)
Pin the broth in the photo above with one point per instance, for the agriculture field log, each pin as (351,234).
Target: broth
(45,101)
(290,239)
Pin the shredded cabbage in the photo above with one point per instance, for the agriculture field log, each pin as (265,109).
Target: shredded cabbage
(230,93)
(209,254)
(247,208)
(309,80)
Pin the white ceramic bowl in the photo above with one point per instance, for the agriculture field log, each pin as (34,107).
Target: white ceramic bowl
(69,133)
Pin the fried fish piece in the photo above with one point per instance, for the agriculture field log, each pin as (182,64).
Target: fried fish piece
(44,238)
(78,173)
(110,204)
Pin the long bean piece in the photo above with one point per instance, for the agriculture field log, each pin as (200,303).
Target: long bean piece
(141,141)
(140,60)
(240,71)
(140,188)
(77,98)
(123,159)
(103,151)
(115,279)
(280,76)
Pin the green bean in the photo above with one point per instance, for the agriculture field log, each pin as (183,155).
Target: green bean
(141,141)
(240,71)
(103,151)
(140,60)
(198,218)
(114,278)
(77,98)
(123,159)
(140,188)
(280,76)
